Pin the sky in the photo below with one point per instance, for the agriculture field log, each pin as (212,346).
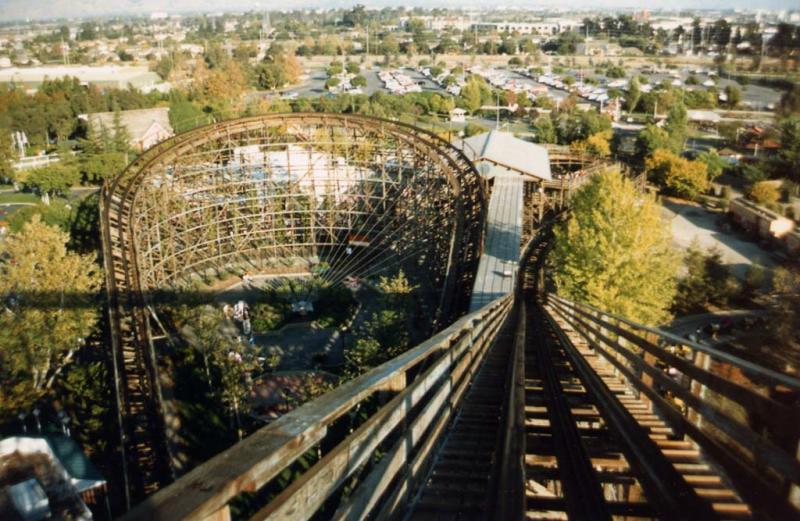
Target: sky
(42,9)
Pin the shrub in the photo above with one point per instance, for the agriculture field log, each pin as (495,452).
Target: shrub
(266,317)
(764,192)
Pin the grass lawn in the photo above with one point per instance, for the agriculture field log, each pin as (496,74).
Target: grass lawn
(18,197)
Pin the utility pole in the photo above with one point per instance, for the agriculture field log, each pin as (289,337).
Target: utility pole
(497,121)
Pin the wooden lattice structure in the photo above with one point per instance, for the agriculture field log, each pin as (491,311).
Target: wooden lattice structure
(347,195)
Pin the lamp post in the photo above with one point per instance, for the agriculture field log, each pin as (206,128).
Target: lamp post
(22,417)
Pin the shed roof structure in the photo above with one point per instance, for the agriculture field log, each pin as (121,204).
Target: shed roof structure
(497,152)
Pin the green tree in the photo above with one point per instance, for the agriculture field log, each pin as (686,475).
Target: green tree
(473,129)
(786,163)
(734,96)
(614,252)
(714,164)
(677,125)
(121,139)
(164,67)
(544,130)
(49,309)
(57,214)
(6,169)
(473,94)
(54,179)
(790,102)
(634,95)
(708,281)
(95,168)
(358,81)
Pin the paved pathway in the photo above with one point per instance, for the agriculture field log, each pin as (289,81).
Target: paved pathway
(693,223)
(497,267)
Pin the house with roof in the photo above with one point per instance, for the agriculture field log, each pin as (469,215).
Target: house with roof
(49,477)
(496,153)
(146,127)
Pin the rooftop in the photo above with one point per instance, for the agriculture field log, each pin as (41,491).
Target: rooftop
(509,153)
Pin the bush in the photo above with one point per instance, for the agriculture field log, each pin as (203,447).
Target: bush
(727,192)
(764,192)
(472,129)
(266,317)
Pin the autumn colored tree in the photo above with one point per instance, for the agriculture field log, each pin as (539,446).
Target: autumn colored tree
(48,296)
(764,192)
(677,175)
(614,252)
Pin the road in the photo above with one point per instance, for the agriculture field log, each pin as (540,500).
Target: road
(690,222)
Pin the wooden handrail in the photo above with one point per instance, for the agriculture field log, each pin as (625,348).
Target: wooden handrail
(443,366)
(757,466)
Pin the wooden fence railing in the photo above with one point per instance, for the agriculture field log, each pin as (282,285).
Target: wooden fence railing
(744,416)
(372,467)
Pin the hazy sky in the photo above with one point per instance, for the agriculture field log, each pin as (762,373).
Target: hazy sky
(37,9)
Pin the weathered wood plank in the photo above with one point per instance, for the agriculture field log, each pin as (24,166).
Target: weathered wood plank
(303,497)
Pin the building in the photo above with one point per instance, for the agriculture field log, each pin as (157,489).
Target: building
(48,477)
(111,76)
(598,48)
(542,28)
(495,153)
(458,115)
(760,221)
(146,127)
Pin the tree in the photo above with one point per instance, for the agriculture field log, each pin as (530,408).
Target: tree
(614,252)
(734,96)
(677,125)
(121,138)
(54,179)
(786,163)
(544,130)
(764,192)
(87,31)
(597,144)
(473,129)
(332,83)
(634,95)
(707,282)
(164,67)
(48,311)
(790,102)
(714,164)
(95,168)
(358,81)
(473,93)
(57,214)
(6,169)
(679,176)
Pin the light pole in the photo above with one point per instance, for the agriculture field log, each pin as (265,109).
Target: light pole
(22,417)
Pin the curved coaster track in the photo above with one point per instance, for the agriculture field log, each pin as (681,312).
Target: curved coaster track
(531,407)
